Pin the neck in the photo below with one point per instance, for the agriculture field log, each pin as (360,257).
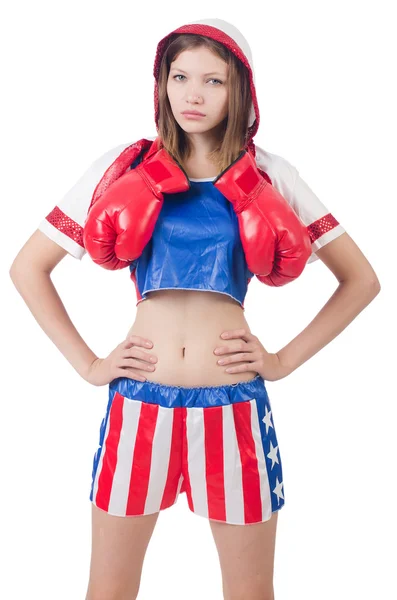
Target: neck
(203,143)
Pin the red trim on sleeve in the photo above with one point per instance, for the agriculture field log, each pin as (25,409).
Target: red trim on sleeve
(321,226)
(66,225)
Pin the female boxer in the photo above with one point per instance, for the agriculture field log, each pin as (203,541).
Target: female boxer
(194,213)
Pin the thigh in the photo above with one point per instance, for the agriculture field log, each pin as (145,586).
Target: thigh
(118,549)
(231,461)
(137,465)
(246,556)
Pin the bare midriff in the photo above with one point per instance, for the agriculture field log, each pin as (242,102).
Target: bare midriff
(185,328)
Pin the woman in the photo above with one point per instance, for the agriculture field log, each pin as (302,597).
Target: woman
(178,419)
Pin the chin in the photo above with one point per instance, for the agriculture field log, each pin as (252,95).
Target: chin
(195,127)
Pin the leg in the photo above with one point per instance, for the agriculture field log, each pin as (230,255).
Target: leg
(118,549)
(136,473)
(246,555)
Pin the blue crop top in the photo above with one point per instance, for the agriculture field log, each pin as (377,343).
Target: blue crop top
(196,241)
(195,245)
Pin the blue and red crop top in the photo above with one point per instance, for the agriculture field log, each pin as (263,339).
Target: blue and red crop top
(196,242)
(195,245)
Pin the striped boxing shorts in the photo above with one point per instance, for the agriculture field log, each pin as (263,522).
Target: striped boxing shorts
(217,444)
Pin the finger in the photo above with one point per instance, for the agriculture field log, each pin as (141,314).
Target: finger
(126,373)
(137,364)
(243,346)
(138,341)
(235,333)
(241,368)
(251,357)
(136,353)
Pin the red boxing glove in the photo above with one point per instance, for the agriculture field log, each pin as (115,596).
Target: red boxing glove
(121,222)
(276,243)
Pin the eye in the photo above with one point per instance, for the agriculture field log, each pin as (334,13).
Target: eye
(180,75)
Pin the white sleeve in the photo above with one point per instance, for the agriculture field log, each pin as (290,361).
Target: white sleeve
(64,224)
(322,225)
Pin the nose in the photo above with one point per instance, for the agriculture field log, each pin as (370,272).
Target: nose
(194,98)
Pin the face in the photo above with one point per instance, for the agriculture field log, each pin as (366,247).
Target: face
(197,81)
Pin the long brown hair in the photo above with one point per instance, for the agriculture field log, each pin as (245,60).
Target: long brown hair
(233,129)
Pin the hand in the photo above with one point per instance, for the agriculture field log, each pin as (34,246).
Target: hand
(248,348)
(126,360)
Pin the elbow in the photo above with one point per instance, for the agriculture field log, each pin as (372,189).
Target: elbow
(370,287)
(367,289)
(17,272)
(375,285)
(373,289)
(13,271)
(365,279)
(15,277)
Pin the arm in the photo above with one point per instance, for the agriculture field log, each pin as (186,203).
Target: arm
(358,286)
(31,275)
(58,234)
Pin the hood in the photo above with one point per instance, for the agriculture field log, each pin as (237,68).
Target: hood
(228,35)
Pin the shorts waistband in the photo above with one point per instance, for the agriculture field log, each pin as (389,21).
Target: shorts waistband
(178,395)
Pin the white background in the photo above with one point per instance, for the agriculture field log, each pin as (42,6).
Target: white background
(77,81)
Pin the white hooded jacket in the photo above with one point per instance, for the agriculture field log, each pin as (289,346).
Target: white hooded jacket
(65,222)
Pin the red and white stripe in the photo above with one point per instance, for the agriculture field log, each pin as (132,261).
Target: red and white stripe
(152,453)
(229,480)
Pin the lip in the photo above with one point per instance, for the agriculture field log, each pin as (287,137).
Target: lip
(193,113)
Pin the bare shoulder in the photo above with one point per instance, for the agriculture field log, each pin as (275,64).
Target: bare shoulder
(346,261)
(39,251)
